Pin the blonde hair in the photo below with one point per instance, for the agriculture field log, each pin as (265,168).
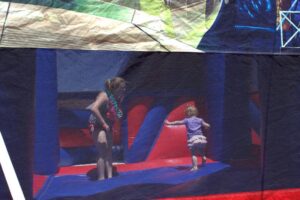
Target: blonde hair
(114,84)
(191,111)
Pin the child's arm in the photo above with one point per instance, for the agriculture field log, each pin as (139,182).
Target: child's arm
(206,125)
(100,100)
(174,122)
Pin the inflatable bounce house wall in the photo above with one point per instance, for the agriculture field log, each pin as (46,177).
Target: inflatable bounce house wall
(142,141)
(235,108)
(215,55)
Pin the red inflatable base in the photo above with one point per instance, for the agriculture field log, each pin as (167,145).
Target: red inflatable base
(284,194)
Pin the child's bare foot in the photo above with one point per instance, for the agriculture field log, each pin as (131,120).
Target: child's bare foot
(194,169)
(101,178)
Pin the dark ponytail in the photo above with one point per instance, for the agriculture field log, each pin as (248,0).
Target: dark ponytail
(108,85)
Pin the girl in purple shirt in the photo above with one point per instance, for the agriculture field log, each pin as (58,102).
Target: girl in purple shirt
(195,138)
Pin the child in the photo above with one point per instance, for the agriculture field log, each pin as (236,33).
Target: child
(196,139)
(105,111)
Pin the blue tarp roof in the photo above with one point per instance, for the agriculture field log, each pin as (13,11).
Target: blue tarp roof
(86,71)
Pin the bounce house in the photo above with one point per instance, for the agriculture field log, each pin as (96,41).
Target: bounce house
(235,61)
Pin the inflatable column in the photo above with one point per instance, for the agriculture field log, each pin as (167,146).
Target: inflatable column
(228,107)
(215,76)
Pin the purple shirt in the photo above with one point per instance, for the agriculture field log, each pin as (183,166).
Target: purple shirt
(193,125)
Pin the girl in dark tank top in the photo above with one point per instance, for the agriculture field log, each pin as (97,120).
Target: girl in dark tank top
(105,111)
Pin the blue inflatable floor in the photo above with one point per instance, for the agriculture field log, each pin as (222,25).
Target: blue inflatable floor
(81,186)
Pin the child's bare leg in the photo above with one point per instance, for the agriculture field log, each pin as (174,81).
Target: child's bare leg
(109,168)
(201,152)
(195,163)
(194,159)
(203,160)
(108,163)
(101,168)
(101,145)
